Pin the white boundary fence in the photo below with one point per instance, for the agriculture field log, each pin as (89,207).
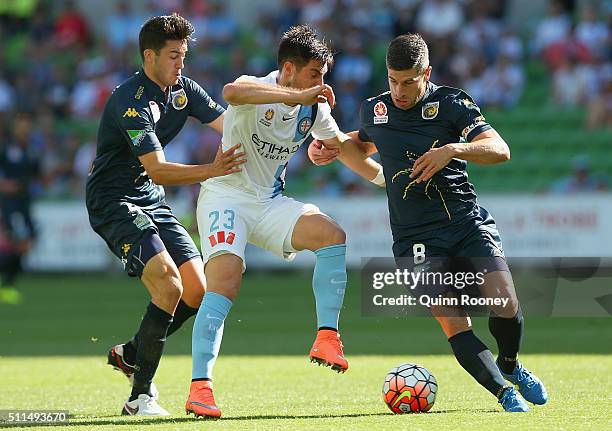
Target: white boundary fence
(530,225)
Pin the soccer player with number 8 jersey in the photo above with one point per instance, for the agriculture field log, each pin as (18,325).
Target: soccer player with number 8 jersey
(425,135)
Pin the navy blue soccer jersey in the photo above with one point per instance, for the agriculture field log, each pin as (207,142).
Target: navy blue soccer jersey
(140,118)
(444,115)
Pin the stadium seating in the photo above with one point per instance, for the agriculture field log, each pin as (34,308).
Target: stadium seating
(543,140)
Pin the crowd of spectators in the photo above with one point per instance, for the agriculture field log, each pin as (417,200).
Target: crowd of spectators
(577,53)
(59,68)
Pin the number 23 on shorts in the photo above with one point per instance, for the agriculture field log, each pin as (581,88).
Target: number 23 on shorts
(220,220)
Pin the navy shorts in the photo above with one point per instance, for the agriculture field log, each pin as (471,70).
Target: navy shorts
(17,220)
(124,226)
(470,247)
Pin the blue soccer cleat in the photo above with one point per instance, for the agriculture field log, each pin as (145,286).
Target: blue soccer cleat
(512,401)
(530,387)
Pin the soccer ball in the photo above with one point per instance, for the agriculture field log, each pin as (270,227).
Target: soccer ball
(409,388)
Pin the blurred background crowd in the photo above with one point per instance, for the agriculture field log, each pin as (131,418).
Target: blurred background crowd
(540,70)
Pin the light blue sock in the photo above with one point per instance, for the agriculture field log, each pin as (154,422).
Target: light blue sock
(207,334)
(329,284)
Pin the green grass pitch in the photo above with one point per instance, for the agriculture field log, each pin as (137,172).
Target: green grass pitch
(53,346)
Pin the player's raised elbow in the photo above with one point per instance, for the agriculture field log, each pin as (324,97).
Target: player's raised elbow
(231,93)
(155,171)
(504,154)
(503,151)
(156,176)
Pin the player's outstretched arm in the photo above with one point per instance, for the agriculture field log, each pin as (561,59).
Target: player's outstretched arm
(321,155)
(352,152)
(168,173)
(246,92)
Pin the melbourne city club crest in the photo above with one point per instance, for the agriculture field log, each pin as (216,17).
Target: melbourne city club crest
(304,125)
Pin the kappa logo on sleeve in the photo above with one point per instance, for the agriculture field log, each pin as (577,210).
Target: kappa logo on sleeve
(131,112)
(125,249)
(136,136)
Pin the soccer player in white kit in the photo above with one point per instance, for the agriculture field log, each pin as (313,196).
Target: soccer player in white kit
(271,117)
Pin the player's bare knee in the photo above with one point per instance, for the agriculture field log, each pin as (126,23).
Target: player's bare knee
(506,311)
(229,288)
(224,275)
(337,236)
(172,293)
(193,282)
(192,296)
(168,272)
(332,234)
(165,291)
(171,280)
(166,275)
(452,320)
(452,326)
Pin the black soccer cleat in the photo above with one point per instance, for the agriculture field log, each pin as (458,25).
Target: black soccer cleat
(117,361)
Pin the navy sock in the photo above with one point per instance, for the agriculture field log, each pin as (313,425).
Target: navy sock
(508,333)
(181,315)
(129,350)
(11,267)
(151,339)
(474,356)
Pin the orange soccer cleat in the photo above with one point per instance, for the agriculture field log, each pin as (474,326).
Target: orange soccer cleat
(327,351)
(201,401)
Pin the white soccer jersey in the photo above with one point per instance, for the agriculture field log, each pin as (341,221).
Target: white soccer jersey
(270,135)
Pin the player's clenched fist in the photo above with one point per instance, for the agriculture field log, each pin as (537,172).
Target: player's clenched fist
(318,94)
(227,162)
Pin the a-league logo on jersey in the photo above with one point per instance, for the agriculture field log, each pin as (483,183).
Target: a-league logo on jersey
(304,125)
(380,113)
(179,99)
(429,111)
(268,115)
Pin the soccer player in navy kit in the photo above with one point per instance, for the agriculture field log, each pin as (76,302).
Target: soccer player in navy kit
(126,202)
(425,135)
(19,168)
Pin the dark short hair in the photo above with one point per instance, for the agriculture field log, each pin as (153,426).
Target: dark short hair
(408,51)
(159,29)
(300,44)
